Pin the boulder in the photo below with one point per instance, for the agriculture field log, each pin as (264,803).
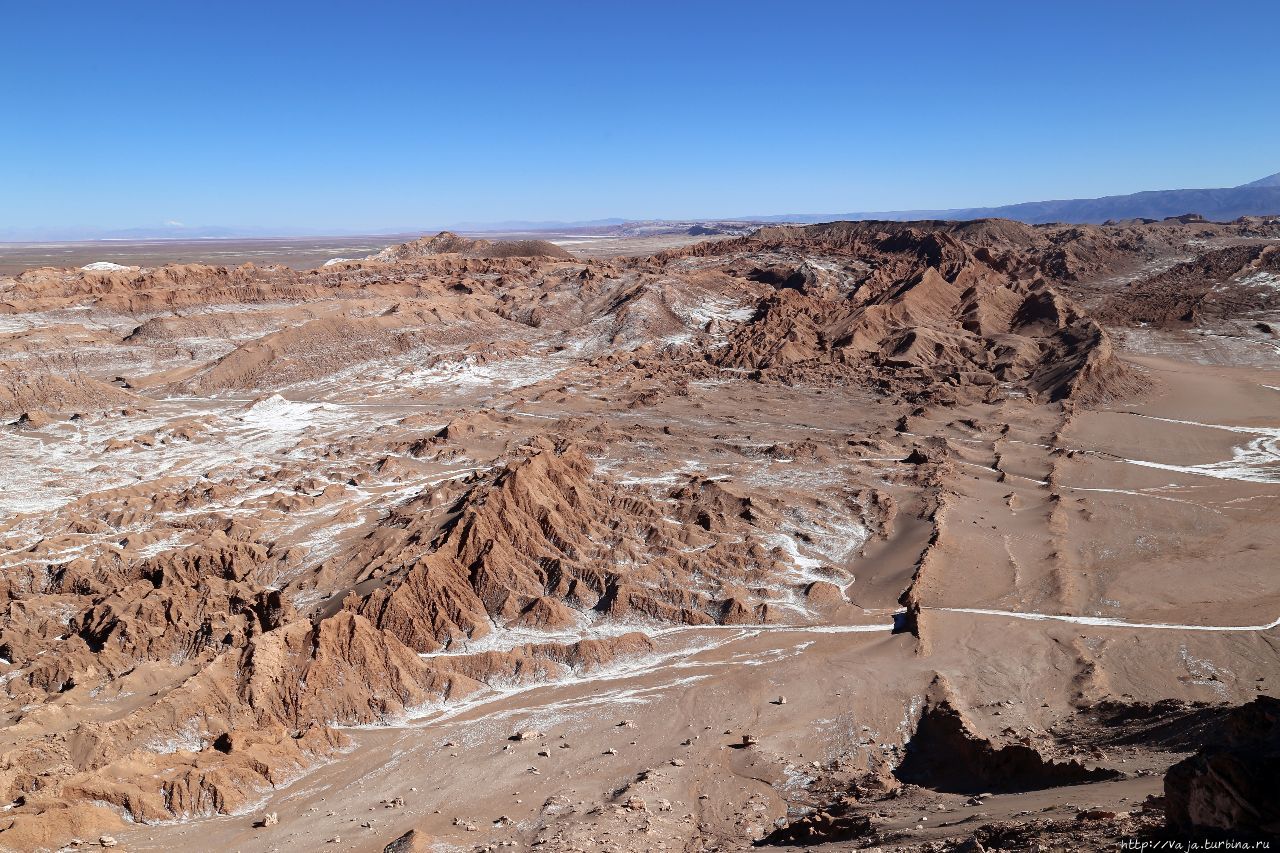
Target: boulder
(819,828)
(1231,785)
(411,842)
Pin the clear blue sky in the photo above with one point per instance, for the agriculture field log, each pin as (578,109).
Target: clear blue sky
(370,115)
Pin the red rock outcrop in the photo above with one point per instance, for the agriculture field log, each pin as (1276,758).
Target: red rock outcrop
(545,544)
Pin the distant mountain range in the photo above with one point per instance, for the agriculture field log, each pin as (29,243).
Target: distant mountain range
(1257,198)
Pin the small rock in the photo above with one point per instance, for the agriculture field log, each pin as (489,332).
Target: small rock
(611,751)
(972,845)
(781,700)
(527,734)
(750,740)
(268,819)
(411,842)
(676,762)
(107,841)
(636,804)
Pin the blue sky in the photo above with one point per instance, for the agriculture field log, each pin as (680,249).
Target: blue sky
(372,115)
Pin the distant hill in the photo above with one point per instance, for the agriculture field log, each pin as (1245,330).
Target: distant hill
(447,243)
(1258,198)
(1268,181)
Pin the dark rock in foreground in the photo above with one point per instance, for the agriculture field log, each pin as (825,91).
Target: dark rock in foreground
(1233,786)
(946,755)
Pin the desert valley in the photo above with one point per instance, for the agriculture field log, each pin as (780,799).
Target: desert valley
(914,536)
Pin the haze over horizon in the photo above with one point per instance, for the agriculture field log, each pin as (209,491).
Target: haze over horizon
(322,121)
